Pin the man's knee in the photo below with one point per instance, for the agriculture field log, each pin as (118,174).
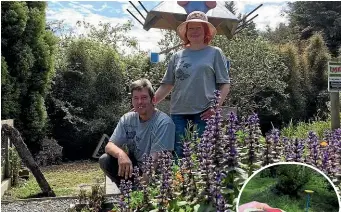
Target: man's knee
(104,161)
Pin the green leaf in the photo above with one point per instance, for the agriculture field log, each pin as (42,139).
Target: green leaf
(181,203)
(203,208)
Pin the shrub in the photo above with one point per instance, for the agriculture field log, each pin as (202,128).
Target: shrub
(50,153)
(291,178)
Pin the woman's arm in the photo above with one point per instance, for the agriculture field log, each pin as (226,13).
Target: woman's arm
(224,91)
(162,92)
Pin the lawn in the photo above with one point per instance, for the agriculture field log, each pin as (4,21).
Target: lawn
(65,180)
(259,189)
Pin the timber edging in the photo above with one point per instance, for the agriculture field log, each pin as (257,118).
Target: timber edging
(48,198)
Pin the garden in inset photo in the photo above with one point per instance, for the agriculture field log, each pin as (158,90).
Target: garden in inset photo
(291,188)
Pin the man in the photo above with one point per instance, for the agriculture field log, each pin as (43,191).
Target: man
(144,131)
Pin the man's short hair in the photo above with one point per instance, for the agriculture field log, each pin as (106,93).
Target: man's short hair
(140,84)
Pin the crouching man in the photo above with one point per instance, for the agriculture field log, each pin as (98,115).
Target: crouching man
(145,131)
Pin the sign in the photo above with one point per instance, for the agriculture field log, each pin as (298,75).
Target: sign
(334,76)
(154,57)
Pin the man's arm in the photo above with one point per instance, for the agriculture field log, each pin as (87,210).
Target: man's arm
(162,92)
(125,166)
(113,150)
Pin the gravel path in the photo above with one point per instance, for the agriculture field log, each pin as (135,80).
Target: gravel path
(56,205)
(50,205)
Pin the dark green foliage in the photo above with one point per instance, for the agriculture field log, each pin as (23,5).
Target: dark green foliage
(28,51)
(292,178)
(318,16)
(87,97)
(282,34)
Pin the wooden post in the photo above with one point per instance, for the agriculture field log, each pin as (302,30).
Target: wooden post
(335,110)
(6,143)
(7,166)
(27,158)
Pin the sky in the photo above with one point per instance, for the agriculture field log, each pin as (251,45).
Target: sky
(115,12)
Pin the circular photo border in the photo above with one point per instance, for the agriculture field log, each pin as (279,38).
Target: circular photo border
(288,163)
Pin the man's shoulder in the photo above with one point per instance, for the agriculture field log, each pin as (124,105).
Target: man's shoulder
(130,116)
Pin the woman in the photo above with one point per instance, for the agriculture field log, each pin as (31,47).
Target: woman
(193,74)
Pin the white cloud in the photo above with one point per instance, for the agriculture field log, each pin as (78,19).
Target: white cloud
(88,6)
(147,40)
(104,6)
(271,15)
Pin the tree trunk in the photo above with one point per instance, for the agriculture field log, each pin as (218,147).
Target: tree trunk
(27,158)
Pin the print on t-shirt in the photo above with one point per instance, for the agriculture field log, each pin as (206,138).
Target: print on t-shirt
(181,72)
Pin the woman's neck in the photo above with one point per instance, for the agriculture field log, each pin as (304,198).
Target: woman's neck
(197,46)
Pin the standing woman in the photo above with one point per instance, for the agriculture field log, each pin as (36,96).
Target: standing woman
(193,74)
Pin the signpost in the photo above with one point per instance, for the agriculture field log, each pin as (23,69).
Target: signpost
(334,87)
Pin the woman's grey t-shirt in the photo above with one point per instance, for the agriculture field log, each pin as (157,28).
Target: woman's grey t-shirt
(156,134)
(195,75)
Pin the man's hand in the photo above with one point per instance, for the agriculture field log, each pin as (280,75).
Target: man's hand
(125,166)
(207,114)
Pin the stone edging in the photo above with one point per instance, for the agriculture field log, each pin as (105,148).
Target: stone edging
(48,198)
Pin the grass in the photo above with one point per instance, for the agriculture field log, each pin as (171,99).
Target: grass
(65,180)
(302,129)
(259,189)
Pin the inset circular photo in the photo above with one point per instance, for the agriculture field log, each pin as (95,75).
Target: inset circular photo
(289,187)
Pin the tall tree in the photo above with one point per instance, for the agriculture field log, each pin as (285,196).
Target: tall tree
(28,56)
(314,61)
(317,16)
(295,81)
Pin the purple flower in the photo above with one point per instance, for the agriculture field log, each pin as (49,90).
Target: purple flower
(313,147)
(287,148)
(126,189)
(166,192)
(267,151)
(294,150)
(252,136)
(186,164)
(221,204)
(276,149)
(298,150)
(231,138)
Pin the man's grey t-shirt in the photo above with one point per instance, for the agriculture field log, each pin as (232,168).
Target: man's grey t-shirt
(156,134)
(195,75)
